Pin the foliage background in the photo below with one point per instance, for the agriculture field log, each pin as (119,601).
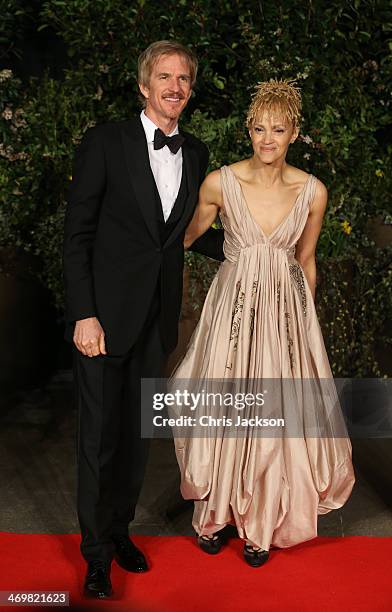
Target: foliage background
(340,53)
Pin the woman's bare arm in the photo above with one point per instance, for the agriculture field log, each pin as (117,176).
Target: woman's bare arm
(210,200)
(306,246)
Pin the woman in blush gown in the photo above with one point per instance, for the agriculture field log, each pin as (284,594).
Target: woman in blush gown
(259,323)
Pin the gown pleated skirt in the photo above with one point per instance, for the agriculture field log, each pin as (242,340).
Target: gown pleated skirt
(259,326)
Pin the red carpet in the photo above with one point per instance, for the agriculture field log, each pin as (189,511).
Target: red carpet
(325,574)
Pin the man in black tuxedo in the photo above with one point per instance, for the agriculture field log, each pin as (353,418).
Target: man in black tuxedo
(134,190)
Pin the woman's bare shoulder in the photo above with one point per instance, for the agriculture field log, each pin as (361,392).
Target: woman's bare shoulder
(321,189)
(320,199)
(213,179)
(296,175)
(239,168)
(211,189)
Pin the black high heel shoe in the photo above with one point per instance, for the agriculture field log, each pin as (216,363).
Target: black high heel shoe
(211,544)
(255,558)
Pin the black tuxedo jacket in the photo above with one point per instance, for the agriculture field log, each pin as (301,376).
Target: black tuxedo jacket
(114,259)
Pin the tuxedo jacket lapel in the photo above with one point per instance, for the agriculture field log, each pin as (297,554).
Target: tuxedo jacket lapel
(140,173)
(143,182)
(190,165)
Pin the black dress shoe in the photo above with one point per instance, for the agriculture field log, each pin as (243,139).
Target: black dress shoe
(211,545)
(97,583)
(128,556)
(255,558)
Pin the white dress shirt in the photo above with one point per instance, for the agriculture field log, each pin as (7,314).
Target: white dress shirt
(165,165)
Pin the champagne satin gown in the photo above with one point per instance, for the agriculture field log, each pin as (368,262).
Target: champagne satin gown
(259,322)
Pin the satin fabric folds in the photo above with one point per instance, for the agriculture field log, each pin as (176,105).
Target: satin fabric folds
(258,323)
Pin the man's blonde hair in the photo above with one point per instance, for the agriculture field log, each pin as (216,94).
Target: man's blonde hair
(151,55)
(277,96)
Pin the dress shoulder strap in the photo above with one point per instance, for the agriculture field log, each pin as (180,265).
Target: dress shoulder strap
(310,189)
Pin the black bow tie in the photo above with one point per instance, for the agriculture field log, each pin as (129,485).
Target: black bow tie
(173,142)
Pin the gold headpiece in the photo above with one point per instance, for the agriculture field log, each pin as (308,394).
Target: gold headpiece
(277,95)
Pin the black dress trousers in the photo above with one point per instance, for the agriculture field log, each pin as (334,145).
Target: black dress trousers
(111,454)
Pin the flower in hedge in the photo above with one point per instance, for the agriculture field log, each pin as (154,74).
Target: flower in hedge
(70,177)
(306,139)
(103,68)
(18,118)
(9,153)
(302,75)
(379,173)
(306,155)
(6,152)
(346,227)
(20,123)
(5,74)
(370,65)
(7,113)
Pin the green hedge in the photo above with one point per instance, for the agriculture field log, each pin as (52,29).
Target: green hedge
(339,52)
